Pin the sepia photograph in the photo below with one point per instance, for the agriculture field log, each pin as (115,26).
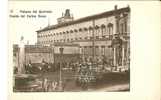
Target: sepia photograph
(86,53)
(81,50)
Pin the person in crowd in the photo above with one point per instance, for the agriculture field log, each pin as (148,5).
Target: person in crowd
(45,84)
(54,85)
(44,66)
(30,68)
(48,67)
(40,68)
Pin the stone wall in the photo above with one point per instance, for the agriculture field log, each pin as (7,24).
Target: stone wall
(38,57)
(36,54)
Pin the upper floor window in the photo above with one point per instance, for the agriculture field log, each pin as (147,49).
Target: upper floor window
(67,32)
(90,31)
(71,31)
(60,33)
(97,30)
(103,29)
(125,25)
(122,28)
(110,28)
(85,29)
(80,30)
(75,30)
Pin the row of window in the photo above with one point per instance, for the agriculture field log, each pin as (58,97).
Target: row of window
(83,33)
(75,39)
(102,29)
(87,50)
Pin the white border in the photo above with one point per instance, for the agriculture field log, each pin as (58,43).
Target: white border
(3,50)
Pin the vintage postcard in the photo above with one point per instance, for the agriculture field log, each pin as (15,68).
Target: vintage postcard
(76,47)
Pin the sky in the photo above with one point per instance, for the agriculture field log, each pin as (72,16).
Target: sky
(27,27)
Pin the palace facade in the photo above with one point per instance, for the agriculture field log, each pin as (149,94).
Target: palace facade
(105,34)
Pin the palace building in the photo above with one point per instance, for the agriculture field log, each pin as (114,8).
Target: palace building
(104,34)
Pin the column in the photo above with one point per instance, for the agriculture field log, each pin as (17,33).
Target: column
(128,54)
(103,50)
(99,51)
(88,34)
(88,51)
(123,56)
(83,52)
(21,69)
(80,50)
(114,57)
(100,33)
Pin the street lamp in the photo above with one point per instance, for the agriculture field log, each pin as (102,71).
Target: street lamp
(60,76)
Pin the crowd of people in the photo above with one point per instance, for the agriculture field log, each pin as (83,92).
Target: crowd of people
(86,70)
(32,68)
(85,73)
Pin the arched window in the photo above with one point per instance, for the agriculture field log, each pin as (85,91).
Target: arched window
(71,34)
(80,35)
(103,29)
(64,35)
(121,28)
(71,31)
(97,31)
(80,30)
(75,30)
(85,29)
(90,29)
(110,28)
(85,33)
(67,31)
(67,35)
(60,33)
(75,34)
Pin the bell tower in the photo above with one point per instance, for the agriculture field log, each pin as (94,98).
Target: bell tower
(65,17)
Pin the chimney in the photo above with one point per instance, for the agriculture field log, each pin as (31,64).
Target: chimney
(115,7)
